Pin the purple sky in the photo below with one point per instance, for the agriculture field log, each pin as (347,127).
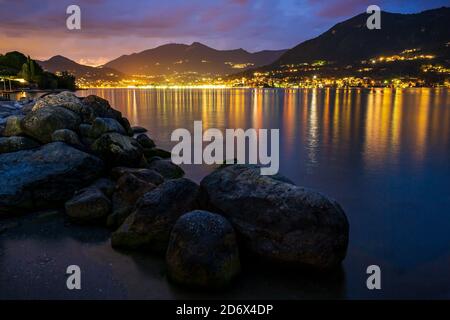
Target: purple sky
(111,28)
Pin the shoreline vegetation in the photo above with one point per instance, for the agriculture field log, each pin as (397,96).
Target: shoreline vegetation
(81,156)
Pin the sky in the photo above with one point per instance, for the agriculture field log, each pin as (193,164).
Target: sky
(111,28)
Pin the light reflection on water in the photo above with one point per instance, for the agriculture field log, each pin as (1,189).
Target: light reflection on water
(316,125)
(382,153)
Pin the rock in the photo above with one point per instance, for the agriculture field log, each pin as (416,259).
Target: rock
(278,221)
(105,185)
(118,150)
(129,189)
(126,125)
(28,107)
(67,136)
(202,251)
(166,168)
(145,141)
(138,129)
(64,99)
(100,107)
(44,177)
(145,174)
(13,144)
(105,125)
(156,152)
(148,228)
(41,124)
(13,127)
(85,130)
(89,205)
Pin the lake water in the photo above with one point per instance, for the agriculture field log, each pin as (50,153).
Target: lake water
(383,154)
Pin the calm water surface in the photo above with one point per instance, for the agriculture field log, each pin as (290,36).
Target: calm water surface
(383,154)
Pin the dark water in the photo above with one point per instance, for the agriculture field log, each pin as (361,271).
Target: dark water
(383,154)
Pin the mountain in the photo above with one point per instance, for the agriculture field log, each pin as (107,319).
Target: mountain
(59,63)
(407,45)
(351,40)
(197,58)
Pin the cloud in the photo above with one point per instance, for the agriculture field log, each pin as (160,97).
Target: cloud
(112,28)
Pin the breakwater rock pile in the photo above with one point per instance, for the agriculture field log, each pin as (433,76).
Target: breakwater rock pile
(82,155)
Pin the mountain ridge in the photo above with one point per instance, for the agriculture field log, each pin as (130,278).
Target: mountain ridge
(182,58)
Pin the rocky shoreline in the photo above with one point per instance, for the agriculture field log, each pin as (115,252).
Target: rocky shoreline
(80,154)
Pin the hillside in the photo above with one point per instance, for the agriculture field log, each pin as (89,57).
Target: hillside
(414,47)
(196,58)
(59,63)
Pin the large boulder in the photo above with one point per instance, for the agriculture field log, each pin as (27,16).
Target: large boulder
(129,189)
(13,144)
(118,150)
(44,177)
(105,125)
(85,130)
(202,251)
(89,205)
(13,127)
(105,185)
(145,141)
(41,123)
(67,136)
(100,107)
(64,99)
(148,228)
(276,220)
(147,175)
(166,168)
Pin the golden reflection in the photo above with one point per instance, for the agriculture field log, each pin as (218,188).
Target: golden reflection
(313,131)
(381,124)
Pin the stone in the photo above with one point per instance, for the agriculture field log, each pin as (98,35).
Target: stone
(276,220)
(44,177)
(13,144)
(13,127)
(67,136)
(105,185)
(148,227)
(105,125)
(126,125)
(85,130)
(118,150)
(202,251)
(89,205)
(100,107)
(64,99)
(166,168)
(41,123)
(145,141)
(145,174)
(129,189)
